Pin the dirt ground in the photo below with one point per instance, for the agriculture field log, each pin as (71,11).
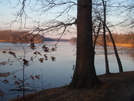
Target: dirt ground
(115,87)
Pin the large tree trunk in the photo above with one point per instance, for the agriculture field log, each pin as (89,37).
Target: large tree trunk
(84,74)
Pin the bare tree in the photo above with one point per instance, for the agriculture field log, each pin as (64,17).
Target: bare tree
(116,52)
(101,16)
(84,74)
(104,38)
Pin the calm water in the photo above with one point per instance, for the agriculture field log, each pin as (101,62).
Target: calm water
(52,73)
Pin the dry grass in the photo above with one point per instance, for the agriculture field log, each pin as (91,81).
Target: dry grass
(115,87)
(121,45)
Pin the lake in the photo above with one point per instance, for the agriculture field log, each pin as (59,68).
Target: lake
(51,73)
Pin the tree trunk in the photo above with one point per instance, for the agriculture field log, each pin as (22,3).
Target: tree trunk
(116,53)
(104,39)
(84,74)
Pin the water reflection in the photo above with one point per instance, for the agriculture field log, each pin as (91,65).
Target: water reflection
(129,52)
(131,55)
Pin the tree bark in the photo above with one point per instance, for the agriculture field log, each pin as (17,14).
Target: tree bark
(104,39)
(84,74)
(116,52)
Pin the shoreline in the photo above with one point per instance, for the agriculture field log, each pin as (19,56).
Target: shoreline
(121,45)
(108,44)
(117,86)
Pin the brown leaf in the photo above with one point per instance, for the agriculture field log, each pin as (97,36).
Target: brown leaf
(5,81)
(39,53)
(3,51)
(32,46)
(1,93)
(45,57)
(37,76)
(27,84)
(46,49)
(53,58)
(3,63)
(17,83)
(53,49)
(32,77)
(41,60)
(35,52)
(12,53)
(25,62)
(44,46)
(4,74)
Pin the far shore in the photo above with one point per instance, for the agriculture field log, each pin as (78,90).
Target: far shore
(109,44)
(121,45)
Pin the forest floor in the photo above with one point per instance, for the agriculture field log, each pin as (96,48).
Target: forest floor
(115,87)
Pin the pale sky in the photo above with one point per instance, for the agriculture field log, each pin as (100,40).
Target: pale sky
(8,11)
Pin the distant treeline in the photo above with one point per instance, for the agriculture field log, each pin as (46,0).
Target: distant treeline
(19,37)
(26,37)
(123,38)
(118,38)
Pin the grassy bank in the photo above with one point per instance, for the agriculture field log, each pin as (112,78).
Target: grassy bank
(121,45)
(115,87)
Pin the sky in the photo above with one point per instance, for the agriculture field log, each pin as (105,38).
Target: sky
(34,19)
(37,17)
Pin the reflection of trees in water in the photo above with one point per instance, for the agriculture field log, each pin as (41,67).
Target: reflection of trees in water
(128,51)
(72,43)
(132,55)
